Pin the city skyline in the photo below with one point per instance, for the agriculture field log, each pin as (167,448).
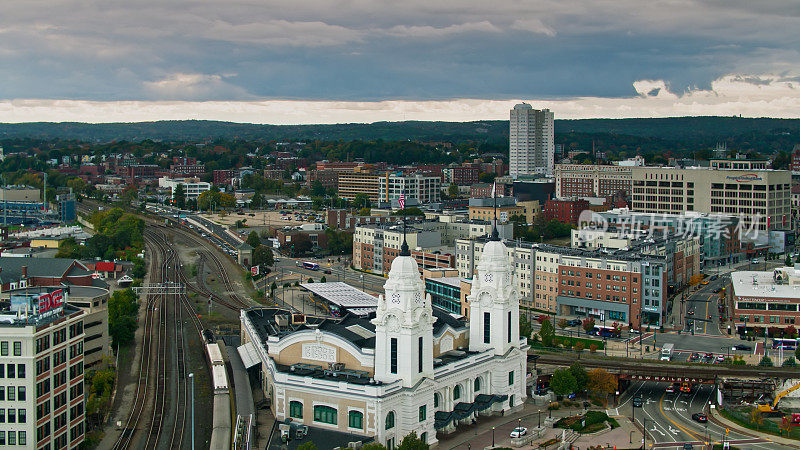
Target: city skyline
(315,62)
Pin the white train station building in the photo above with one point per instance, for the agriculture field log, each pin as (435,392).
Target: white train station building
(411,368)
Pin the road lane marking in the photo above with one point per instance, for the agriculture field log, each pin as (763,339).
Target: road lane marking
(660,408)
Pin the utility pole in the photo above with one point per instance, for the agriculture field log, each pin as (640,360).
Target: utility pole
(191,381)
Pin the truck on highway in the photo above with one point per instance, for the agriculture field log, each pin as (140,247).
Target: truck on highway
(666,352)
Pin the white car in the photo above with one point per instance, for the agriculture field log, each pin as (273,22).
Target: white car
(519,432)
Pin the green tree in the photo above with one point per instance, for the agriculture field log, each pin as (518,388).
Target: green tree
(766,361)
(563,382)
(412,442)
(797,352)
(323,279)
(581,377)
(307,446)
(253,240)
(790,362)
(364,212)
(373,446)
(263,255)
(361,200)
(547,332)
(525,328)
(317,189)
(412,211)
(122,312)
(68,248)
(452,190)
(179,196)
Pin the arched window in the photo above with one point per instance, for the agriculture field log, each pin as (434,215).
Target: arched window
(477,384)
(355,419)
(457,392)
(390,420)
(325,414)
(435,400)
(296,410)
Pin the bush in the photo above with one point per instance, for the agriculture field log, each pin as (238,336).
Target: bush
(766,361)
(553,406)
(790,362)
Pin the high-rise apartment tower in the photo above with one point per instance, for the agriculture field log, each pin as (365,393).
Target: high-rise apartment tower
(531,142)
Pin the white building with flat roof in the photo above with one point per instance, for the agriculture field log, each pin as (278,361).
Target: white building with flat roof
(192,187)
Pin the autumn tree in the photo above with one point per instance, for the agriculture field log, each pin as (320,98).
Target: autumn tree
(588,325)
(601,382)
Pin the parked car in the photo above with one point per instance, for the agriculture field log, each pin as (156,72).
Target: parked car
(519,432)
(327,271)
(708,357)
(700,417)
(671,389)
(637,402)
(574,323)
(742,347)
(719,359)
(694,357)
(690,311)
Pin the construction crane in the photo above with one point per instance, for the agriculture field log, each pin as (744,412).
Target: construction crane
(772,407)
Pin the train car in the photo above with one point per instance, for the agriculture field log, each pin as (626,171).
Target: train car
(221,423)
(214,355)
(220,378)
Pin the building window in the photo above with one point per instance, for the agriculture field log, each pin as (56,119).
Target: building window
(17,348)
(390,420)
(325,414)
(509,326)
(510,378)
(477,385)
(423,413)
(4,348)
(487,321)
(296,410)
(355,419)
(393,355)
(419,354)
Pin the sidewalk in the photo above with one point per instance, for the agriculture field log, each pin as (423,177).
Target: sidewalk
(717,417)
(479,436)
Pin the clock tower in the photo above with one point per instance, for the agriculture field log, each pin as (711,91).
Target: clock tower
(404,325)
(494,302)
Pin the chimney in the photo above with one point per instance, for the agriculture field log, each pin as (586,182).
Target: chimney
(24,271)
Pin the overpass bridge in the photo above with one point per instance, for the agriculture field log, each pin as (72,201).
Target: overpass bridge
(645,369)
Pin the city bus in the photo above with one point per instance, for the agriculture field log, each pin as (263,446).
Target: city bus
(787,344)
(603,331)
(308,265)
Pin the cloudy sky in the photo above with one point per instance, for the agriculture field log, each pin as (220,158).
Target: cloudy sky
(317,61)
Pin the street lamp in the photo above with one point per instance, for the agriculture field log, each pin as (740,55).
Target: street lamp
(362,281)
(492,436)
(540,419)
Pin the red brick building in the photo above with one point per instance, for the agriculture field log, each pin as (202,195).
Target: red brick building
(566,211)
(328,178)
(223,176)
(461,175)
(484,190)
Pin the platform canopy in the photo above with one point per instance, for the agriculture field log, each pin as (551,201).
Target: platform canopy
(249,355)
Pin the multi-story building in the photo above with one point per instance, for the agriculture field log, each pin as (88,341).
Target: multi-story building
(187,170)
(531,141)
(344,219)
(192,187)
(483,190)
(625,285)
(588,180)
(719,239)
(765,299)
(354,183)
(740,164)
(136,171)
(461,175)
(329,179)
(376,246)
(411,368)
(485,208)
(566,211)
(223,176)
(424,189)
(760,198)
(42,349)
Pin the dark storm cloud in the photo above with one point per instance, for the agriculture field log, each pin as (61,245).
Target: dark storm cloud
(373,50)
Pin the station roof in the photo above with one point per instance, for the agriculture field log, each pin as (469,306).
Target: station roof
(342,294)
(763,285)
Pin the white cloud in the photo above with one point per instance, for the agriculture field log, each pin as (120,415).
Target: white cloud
(430,31)
(533,26)
(283,33)
(730,95)
(190,86)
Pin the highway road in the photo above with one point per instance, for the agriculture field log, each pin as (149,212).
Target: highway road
(667,418)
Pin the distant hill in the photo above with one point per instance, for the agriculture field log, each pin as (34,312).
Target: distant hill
(706,130)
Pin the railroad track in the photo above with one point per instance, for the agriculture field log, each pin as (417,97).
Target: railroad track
(151,345)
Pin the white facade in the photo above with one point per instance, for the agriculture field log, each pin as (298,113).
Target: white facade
(423,189)
(192,187)
(423,361)
(42,381)
(531,141)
